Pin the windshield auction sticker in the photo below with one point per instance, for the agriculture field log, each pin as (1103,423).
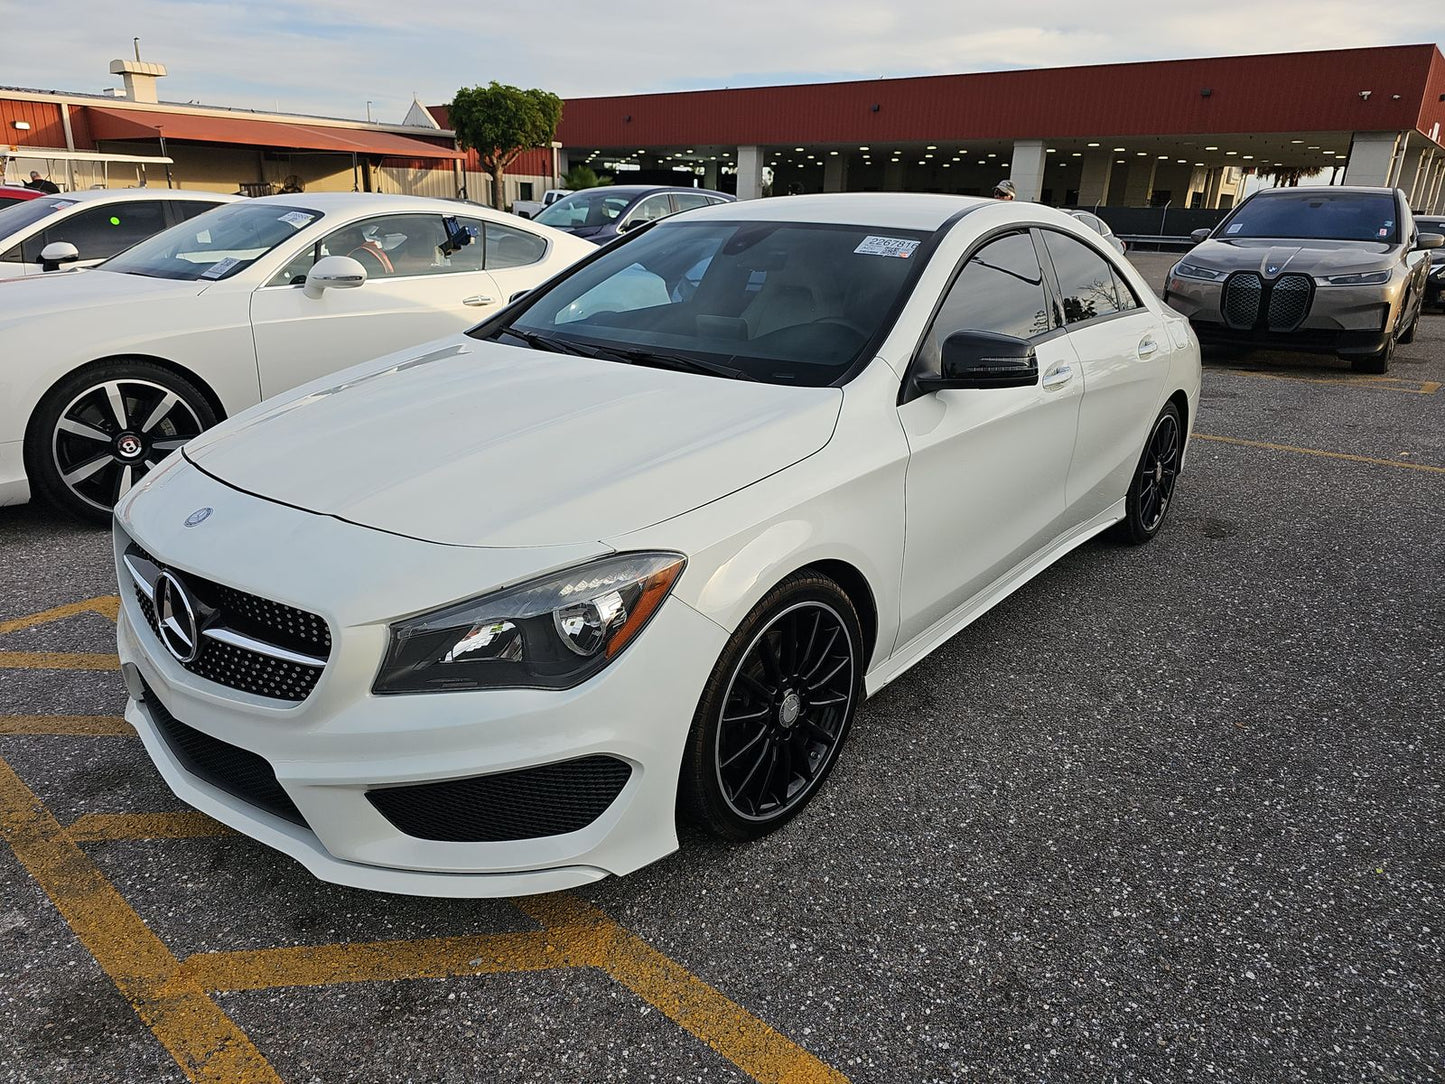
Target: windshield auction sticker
(219,268)
(298,219)
(898,247)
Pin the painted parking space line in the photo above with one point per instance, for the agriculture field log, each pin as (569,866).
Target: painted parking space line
(105,605)
(99,827)
(57,660)
(1401,384)
(1401,464)
(207,1045)
(99,726)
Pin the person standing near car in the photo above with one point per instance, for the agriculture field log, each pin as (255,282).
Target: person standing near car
(40,184)
(1004,190)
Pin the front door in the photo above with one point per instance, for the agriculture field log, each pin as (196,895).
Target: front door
(987,467)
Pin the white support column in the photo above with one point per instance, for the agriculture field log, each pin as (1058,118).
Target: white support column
(1094,178)
(1408,175)
(1436,200)
(1027,172)
(1140,182)
(1372,158)
(750,173)
(835,173)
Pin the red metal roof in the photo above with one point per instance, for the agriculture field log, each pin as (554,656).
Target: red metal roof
(148,124)
(1285,92)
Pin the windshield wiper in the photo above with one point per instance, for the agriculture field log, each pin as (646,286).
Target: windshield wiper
(677,362)
(541,342)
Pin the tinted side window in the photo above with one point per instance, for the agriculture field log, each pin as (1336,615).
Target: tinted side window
(686,201)
(1088,286)
(101,232)
(653,207)
(1000,289)
(187,209)
(509,247)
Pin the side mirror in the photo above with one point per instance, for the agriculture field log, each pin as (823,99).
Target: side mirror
(983,359)
(1199,235)
(334,273)
(1425,240)
(518,296)
(57,253)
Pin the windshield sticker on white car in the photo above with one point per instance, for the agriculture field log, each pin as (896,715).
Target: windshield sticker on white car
(898,247)
(299,219)
(63,204)
(219,268)
(1235,227)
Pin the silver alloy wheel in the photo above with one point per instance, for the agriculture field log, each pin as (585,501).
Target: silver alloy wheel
(114,433)
(784,712)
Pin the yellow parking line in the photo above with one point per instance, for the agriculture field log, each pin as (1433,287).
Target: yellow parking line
(1402,464)
(57,660)
(101,726)
(95,827)
(105,605)
(205,1042)
(1372,383)
(584,933)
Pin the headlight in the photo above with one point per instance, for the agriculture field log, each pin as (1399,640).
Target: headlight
(1363,278)
(549,633)
(1186,270)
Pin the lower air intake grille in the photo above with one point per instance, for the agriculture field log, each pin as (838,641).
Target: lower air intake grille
(1240,304)
(1289,301)
(238,772)
(550,800)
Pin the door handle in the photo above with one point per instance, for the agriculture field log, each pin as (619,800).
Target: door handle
(476,299)
(1148,347)
(1058,376)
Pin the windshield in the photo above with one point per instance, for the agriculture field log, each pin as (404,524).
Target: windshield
(17,216)
(595,207)
(1319,215)
(215,245)
(781,302)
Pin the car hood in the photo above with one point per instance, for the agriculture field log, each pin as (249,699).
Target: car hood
(65,291)
(1273,256)
(477,444)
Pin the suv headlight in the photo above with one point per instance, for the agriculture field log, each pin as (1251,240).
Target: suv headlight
(1362,278)
(1186,270)
(553,632)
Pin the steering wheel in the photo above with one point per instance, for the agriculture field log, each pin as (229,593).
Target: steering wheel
(379,258)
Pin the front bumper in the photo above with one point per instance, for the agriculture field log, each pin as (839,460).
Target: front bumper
(341,741)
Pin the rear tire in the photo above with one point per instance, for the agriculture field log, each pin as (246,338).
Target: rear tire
(775,711)
(1152,489)
(103,428)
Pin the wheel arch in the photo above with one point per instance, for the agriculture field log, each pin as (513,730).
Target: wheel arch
(855,585)
(1180,399)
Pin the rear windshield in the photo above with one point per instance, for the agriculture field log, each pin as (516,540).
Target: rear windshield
(1319,215)
(214,245)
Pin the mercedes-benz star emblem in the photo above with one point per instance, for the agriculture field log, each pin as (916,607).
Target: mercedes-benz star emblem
(200,515)
(177,618)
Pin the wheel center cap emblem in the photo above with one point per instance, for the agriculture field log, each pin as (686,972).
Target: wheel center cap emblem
(177,618)
(129,446)
(790,709)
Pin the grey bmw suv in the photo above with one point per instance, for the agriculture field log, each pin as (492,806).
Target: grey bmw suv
(1336,269)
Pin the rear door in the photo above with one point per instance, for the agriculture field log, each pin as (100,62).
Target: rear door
(1123,352)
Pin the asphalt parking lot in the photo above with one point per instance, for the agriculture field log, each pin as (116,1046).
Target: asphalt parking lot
(1170,813)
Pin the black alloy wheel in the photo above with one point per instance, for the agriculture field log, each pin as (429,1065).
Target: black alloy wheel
(776,710)
(101,430)
(1152,489)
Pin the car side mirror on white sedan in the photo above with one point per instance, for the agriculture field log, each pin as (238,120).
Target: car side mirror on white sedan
(57,253)
(334,273)
(1429,240)
(983,359)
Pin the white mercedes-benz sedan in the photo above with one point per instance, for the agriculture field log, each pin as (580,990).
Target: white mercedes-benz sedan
(106,371)
(482,618)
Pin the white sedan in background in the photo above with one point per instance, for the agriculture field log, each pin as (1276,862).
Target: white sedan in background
(479,618)
(107,371)
(79,229)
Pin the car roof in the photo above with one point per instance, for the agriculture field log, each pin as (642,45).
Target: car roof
(1325,190)
(886,210)
(643,189)
(379,203)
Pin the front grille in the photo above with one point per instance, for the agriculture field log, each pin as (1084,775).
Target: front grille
(273,633)
(238,772)
(549,800)
(1289,301)
(1240,304)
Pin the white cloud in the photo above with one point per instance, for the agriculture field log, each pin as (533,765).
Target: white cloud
(332,56)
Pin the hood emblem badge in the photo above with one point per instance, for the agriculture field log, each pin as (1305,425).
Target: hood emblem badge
(1270,269)
(199,516)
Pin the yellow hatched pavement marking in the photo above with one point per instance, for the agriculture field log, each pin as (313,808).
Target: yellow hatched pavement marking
(105,605)
(57,660)
(97,827)
(1369,383)
(100,726)
(1399,463)
(205,1042)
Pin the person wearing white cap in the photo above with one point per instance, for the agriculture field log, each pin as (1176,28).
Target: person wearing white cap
(1004,189)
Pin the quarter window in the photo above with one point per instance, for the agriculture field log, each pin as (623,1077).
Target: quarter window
(686,201)
(511,247)
(1000,289)
(1089,286)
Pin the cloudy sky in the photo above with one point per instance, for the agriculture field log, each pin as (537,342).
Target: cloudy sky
(332,56)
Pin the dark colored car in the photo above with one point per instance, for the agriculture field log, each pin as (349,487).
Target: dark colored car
(1330,269)
(1435,284)
(600,214)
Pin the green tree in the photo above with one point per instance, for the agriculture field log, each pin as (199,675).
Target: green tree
(500,122)
(580,177)
(1288,176)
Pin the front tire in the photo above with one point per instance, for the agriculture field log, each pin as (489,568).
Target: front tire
(102,429)
(1152,489)
(775,711)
